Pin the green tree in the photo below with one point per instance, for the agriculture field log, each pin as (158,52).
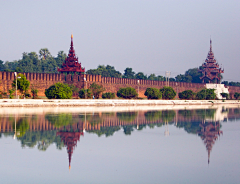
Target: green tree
(187,94)
(10,66)
(152,77)
(225,95)
(58,91)
(160,78)
(206,94)
(236,95)
(11,91)
(75,90)
(34,93)
(140,75)
(168,93)
(127,93)
(22,84)
(128,73)
(108,95)
(61,56)
(2,67)
(191,75)
(82,92)
(96,89)
(44,53)
(153,93)
(29,62)
(105,71)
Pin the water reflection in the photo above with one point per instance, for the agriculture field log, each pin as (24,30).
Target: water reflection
(65,129)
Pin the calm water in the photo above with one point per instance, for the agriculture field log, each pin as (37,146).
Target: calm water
(125,146)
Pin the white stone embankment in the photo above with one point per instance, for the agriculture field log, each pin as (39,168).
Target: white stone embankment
(100,102)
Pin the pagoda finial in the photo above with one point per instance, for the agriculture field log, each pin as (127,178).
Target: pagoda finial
(71,36)
(209,156)
(210,44)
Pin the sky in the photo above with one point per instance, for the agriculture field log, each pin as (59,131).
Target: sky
(150,36)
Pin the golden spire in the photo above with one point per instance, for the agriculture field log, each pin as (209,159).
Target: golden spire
(72,36)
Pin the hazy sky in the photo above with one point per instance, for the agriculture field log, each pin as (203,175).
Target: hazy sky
(152,36)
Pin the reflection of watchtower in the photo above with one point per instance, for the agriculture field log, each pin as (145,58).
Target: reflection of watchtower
(70,135)
(166,132)
(210,131)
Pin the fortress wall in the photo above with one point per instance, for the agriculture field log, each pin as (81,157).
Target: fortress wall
(114,84)
(232,90)
(42,81)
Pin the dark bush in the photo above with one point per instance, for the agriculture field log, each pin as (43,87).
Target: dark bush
(96,89)
(207,94)
(127,93)
(236,95)
(225,95)
(168,93)
(187,94)
(153,93)
(58,91)
(108,95)
(82,92)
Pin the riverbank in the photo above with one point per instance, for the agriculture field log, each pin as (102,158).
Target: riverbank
(112,102)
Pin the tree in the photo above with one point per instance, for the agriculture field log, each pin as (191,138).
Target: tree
(2,67)
(105,71)
(82,92)
(22,84)
(231,83)
(140,75)
(60,58)
(236,95)
(225,95)
(206,94)
(127,93)
(44,53)
(128,73)
(34,93)
(75,90)
(96,89)
(11,91)
(191,75)
(187,94)
(153,93)
(168,93)
(58,91)
(10,66)
(108,95)
(152,77)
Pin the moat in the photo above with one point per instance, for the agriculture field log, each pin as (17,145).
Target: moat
(158,144)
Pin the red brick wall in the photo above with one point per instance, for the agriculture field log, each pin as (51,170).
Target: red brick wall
(42,81)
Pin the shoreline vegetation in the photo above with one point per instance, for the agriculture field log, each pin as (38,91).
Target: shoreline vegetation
(107,102)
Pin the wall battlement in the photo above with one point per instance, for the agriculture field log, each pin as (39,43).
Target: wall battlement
(42,81)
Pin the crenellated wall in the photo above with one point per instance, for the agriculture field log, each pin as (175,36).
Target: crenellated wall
(42,81)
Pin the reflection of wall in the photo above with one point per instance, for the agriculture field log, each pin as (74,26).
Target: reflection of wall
(39,123)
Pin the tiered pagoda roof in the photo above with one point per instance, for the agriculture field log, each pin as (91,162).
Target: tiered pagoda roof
(211,72)
(71,63)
